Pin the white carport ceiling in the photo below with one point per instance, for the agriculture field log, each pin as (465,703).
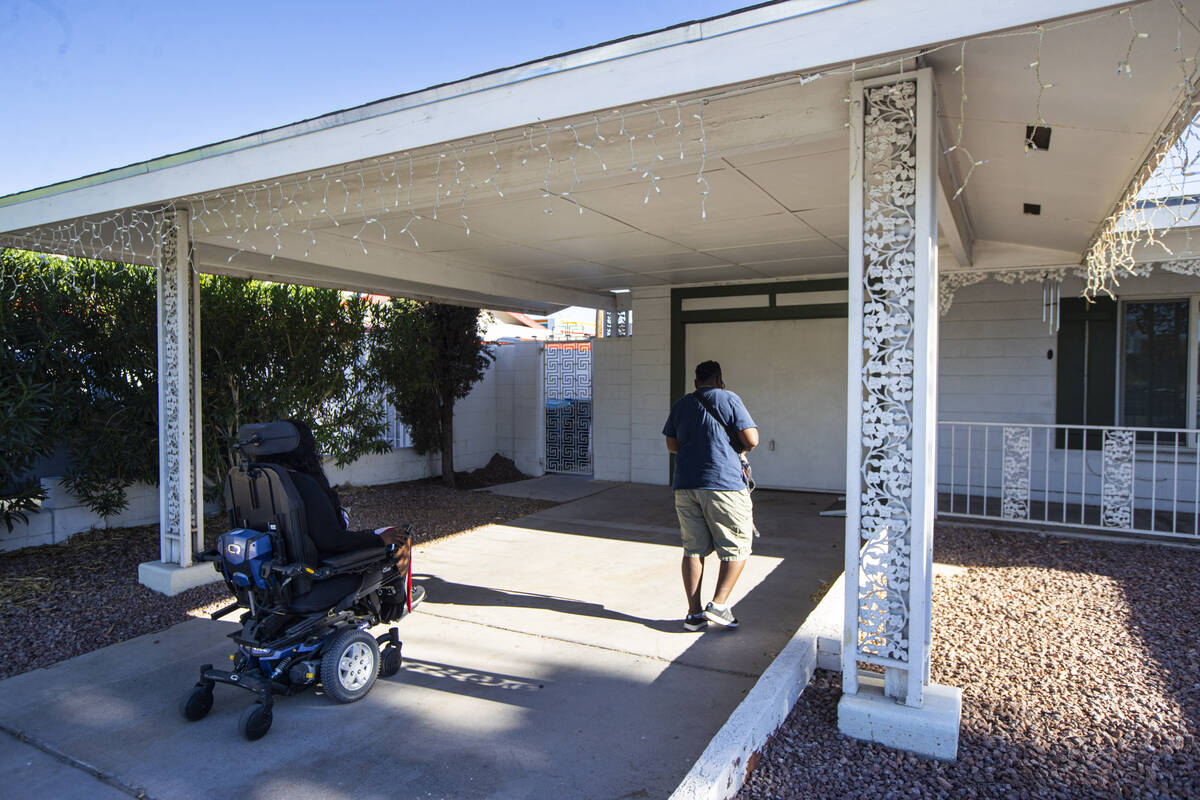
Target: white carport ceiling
(778,165)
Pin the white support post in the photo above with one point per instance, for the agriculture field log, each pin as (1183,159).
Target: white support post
(892,421)
(180,487)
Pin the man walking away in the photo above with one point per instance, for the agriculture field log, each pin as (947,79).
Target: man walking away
(712,499)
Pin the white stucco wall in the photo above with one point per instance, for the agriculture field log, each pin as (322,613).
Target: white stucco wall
(612,382)
(651,385)
(519,418)
(475,442)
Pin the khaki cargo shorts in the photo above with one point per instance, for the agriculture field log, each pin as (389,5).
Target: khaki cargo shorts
(715,519)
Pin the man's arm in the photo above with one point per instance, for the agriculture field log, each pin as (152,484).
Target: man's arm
(673,443)
(749,439)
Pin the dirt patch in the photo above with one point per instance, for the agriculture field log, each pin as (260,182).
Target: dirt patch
(498,470)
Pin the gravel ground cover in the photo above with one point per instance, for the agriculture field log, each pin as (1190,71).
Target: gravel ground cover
(62,600)
(1080,670)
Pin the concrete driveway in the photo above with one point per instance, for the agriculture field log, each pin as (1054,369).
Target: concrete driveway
(548,661)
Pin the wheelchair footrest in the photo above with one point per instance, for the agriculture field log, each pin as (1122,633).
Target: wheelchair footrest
(254,683)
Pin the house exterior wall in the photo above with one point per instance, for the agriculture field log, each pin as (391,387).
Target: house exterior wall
(992,363)
(994,368)
(651,385)
(612,385)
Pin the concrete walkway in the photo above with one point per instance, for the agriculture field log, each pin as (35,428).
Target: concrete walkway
(549,661)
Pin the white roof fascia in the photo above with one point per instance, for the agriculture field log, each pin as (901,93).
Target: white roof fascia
(771,40)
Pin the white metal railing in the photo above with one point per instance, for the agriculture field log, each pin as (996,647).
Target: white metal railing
(1137,480)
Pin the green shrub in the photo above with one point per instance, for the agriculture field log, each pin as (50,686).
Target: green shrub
(80,342)
(427,356)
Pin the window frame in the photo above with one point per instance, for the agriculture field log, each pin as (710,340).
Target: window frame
(1193,359)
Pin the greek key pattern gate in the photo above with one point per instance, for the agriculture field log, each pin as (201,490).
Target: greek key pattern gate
(568,380)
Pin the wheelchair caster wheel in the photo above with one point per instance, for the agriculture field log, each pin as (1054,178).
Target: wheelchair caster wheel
(197,703)
(255,722)
(389,661)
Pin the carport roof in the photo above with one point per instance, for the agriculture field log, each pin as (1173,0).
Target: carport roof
(728,150)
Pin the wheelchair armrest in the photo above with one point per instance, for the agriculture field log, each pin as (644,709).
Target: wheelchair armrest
(354,558)
(293,570)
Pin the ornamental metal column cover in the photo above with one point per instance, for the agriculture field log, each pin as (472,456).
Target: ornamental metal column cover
(892,388)
(180,487)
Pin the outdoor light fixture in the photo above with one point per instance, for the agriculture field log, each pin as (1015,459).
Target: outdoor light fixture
(1037,137)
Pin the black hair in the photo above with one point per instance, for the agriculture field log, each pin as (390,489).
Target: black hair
(707,370)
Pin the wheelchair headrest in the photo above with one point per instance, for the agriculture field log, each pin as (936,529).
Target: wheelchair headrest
(259,439)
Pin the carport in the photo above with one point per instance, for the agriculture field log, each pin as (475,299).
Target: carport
(785,164)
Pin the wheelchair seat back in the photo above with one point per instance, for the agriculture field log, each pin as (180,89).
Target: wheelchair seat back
(261,497)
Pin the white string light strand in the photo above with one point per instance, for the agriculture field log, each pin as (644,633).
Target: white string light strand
(300,203)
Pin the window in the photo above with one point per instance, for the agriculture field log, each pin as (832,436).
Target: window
(1087,341)
(398,434)
(1127,364)
(1154,368)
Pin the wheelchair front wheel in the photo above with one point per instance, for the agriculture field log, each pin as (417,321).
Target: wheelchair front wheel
(390,661)
(255,722)
(197,703)
(350,665)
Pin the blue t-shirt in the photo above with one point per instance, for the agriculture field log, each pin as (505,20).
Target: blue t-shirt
(706,459)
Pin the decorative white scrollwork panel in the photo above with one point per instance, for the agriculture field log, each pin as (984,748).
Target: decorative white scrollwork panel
(1116,492)
(1018,464)
(172,374)
(617,323)
(889,166)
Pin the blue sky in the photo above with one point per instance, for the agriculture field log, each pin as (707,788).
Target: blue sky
(88,86)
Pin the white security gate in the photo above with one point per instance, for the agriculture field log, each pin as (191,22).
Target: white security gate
(568,381)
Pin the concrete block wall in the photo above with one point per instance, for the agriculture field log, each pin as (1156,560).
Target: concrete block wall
(612,385)
(520,419)
(506,378)
(650,392)
(64,515)
(380,468)
(475,440)
(529,410)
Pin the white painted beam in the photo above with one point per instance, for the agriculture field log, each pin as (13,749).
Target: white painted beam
(790,37)
(953,219)
(339,263)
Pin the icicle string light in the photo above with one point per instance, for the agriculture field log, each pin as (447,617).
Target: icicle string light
(289,216)
(961,69)
(1144,210)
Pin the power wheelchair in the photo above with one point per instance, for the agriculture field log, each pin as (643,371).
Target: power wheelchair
(306,620)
